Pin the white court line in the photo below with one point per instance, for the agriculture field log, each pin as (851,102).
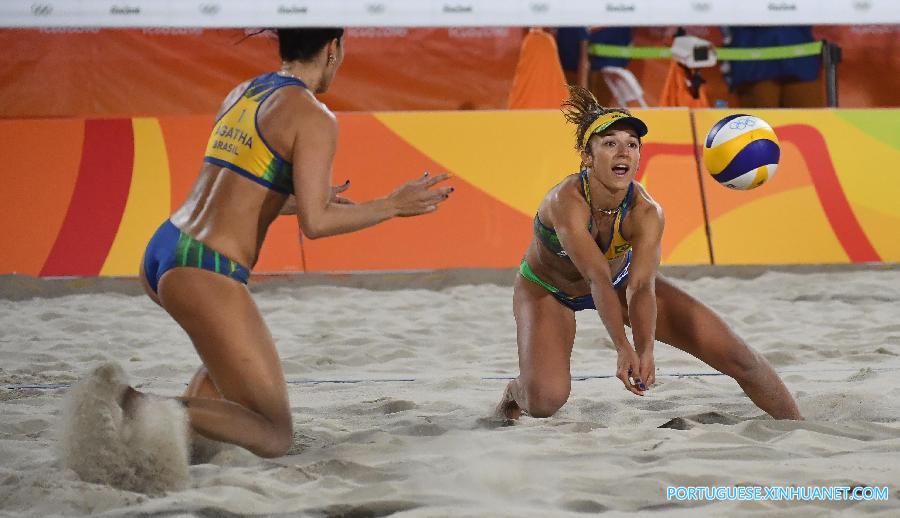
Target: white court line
(575,377)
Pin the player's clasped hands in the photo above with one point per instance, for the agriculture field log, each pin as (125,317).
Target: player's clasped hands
(418,196)
(636,372)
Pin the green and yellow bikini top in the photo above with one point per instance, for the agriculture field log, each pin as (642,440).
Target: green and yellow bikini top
(617,245)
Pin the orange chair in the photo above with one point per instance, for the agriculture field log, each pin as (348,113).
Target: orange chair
(539,82)
(676,90)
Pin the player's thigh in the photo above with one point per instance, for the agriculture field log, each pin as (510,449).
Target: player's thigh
(545,332)
(230,336)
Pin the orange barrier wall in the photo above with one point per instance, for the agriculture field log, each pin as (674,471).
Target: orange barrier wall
(503,163)
(105,184)
(83,196)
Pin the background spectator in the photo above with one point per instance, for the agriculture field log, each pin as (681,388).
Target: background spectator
(573,42)
(780,83)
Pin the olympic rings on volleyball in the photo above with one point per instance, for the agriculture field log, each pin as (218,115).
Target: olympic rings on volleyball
(743,122)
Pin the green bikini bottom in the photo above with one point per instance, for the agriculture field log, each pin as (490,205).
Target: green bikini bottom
(574,303)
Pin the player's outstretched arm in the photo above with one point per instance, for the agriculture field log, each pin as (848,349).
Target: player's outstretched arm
(320,214)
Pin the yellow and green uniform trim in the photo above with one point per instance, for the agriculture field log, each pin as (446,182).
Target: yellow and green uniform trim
(617,245)
(192,253)
(237,144)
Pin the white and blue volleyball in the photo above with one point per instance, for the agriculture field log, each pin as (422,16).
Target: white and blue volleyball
(741,152)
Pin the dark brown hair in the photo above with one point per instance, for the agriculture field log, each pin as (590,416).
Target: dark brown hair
(304,44)
(582,109)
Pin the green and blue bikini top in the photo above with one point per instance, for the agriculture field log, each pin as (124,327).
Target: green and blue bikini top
(617,245)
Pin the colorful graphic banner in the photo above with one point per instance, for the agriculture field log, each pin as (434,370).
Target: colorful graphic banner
(83,196)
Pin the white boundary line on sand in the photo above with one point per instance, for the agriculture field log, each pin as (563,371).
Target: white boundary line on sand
(575,377)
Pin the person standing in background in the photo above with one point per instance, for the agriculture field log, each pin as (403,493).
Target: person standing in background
(582,70)
(774,83)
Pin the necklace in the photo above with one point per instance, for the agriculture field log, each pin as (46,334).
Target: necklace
(586,187)
(609,212)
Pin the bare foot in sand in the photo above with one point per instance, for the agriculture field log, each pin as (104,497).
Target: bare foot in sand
(508,408)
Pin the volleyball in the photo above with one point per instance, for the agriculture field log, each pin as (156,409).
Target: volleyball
(741,152)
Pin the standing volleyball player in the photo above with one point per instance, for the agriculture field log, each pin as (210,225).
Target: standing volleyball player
(270,152)
(596,245)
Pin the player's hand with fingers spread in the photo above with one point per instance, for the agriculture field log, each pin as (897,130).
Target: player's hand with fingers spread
(627,368)
(418,196)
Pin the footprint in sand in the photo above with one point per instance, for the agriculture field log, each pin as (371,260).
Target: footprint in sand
(690,421)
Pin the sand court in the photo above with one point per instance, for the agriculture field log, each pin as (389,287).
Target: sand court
(393,377)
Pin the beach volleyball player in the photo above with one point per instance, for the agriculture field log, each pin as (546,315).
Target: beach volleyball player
(270,152)
(596,246)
